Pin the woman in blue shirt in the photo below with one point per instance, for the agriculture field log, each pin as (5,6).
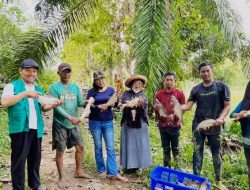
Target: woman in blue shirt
(101,126)
(241,114)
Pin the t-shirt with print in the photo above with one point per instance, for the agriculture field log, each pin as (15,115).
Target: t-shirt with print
(72,100)
(210,102)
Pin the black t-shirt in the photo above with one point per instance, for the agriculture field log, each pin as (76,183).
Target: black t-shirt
(210,102)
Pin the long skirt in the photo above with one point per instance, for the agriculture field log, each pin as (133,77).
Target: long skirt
(135,147)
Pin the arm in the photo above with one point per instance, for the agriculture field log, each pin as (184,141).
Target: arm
(220,120)
(191,100)
(236,111)
(226,95)
(79,98)
(187,106)
(11,99)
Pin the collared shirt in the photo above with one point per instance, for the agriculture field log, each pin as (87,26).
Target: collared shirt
(164,97)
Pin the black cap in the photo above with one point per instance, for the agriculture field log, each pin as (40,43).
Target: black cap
(98,74)
(27,63)
(64,66)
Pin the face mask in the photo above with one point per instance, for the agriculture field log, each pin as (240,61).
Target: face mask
(136,91)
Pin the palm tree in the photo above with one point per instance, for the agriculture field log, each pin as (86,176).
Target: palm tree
(152,30)
(59,19)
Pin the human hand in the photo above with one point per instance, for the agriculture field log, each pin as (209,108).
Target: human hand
(157,107)
(91,101)
(141,101)
(171,117)
(243,114)
(219,121)
(173,101)
(73,120)
(103,107)
(31,94)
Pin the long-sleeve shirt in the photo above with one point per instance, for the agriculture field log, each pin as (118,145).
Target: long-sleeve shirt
(245,126)
(72,100)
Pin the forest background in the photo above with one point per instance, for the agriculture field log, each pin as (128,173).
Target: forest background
(124,37)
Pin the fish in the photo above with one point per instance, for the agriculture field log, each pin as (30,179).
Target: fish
(133,112)
(177,110)
(133,102)
(162,112)
(47,100)
(112,100)
(205,125)
(192,184)
(86,111)
(203,186)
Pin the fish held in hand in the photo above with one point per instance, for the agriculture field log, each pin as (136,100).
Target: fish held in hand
(177,110)
(87,110)
(112,100)
(205,125)
(162,112)
(133,102)
(47,100)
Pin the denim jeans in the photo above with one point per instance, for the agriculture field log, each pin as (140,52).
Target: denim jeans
(104,129)
(214,142)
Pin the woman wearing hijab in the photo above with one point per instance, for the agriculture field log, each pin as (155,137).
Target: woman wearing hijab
(135,147)
(101,126)
(241,114)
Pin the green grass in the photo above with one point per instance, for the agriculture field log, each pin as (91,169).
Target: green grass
(234,168)
(4,144)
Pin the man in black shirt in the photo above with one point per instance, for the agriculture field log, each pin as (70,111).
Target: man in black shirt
(213,102)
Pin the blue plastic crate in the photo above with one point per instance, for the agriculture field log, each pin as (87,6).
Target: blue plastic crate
(167,179)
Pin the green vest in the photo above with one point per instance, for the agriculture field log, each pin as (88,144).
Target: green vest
(19,113)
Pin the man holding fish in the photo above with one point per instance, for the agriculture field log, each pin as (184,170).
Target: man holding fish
(213,104)
(26,126)
(169,119)
(65,128)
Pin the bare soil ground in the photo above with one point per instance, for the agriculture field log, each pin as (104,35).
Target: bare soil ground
(49,176)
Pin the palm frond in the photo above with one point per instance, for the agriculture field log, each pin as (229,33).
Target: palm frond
(41,44)
(151,43)
(35,44)
(48,8)
(228,18)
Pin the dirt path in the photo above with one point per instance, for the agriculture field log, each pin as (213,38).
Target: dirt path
(49,175)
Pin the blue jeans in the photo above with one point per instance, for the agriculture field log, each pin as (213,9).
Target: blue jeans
(104,129)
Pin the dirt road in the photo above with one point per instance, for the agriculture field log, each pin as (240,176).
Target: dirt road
(49,175)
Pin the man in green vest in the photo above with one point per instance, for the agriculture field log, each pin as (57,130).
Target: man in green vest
(25,125)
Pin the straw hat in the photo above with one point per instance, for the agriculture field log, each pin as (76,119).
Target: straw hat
(136,77)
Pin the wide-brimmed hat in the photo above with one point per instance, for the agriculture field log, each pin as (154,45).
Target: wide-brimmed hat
(136,77)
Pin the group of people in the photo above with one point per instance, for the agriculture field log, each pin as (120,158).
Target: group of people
(26,125)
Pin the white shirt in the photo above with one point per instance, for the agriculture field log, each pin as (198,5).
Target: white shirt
(9,91)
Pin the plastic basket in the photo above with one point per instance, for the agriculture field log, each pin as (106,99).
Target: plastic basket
(167,179)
